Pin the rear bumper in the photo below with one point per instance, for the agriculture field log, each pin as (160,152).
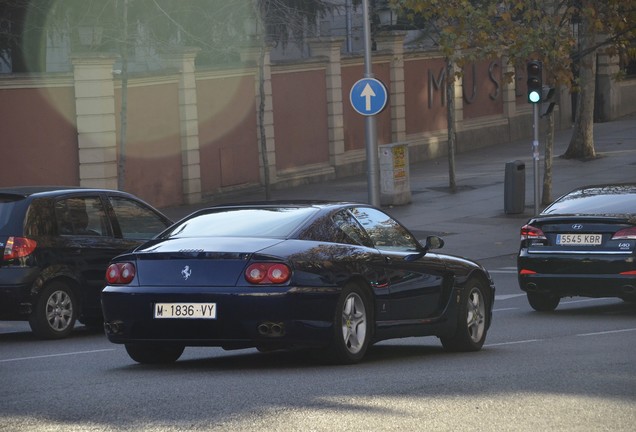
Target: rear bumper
(584,274)
(289,316)
(15,302)
(580,285)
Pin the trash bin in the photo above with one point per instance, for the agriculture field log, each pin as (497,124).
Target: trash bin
(395,185)
(515,187)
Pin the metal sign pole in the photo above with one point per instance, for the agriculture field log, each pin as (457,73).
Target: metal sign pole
(373,176)
(535,156)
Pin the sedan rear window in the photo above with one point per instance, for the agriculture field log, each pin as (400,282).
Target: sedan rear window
(277,222)
(607,200)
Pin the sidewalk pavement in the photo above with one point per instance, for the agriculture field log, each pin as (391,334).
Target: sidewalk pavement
(472,220)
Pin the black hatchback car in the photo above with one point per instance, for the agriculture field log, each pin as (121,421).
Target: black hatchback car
(57,243)
(583,244)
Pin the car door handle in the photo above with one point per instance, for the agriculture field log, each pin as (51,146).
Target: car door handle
(387,260)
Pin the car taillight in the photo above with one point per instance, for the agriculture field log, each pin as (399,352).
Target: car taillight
(120,273)
(625,234)
(267,273)
(18,247)
(529,232)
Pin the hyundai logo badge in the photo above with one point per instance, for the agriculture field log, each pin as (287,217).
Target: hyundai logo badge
(577,227)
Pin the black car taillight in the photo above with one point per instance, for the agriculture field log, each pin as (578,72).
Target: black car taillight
(528,232)
(120,273)
(267,273)
(18,247)
(625,234)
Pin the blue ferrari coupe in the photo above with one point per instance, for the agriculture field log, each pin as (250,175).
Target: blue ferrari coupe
(331,277)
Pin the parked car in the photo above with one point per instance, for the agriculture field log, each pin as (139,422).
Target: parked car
(57,244)
(332,276)
(583,244)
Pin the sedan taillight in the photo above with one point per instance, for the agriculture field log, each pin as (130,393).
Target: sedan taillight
(528,232)
(267,273)
(18,247)
(120,273)
(625,234)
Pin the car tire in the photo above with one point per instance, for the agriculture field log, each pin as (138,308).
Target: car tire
(542,302)
(55,312)
(353,326)
(154,353)
(472,320)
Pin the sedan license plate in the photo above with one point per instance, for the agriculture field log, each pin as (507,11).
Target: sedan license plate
(579,239)
(185,310)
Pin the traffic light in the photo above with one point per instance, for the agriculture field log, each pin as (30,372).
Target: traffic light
(547,101)
(535,81)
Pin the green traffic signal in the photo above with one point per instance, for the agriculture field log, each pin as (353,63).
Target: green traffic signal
(534,97)
(534,71)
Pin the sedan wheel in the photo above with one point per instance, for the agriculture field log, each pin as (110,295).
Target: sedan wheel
(55,313)
(543,302)
(154,353)
(472,325)
(352,326)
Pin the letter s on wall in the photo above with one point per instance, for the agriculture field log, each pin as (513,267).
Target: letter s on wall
(494,79)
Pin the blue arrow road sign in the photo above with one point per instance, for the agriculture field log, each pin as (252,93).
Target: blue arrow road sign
(368,96)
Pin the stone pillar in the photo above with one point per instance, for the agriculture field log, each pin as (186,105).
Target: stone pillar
(330,48)
(608,97)
(95,117)
(394,42)
(251,55)
(183,60)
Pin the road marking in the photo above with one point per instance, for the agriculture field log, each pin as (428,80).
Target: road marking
(607,332)
(508,296)
(513,343)
(590,300)
(504,309)
(55,355)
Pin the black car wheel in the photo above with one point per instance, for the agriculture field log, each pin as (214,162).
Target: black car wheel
(55,312)
(543,302)
(352,326)
(472,320)
(154,353)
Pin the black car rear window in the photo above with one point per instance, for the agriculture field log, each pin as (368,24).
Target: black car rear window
(7,206)
(607,200)
(277,222)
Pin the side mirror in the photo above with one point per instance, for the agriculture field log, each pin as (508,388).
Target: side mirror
(434,242)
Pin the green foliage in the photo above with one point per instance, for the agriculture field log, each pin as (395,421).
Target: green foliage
(522,29)
(218,27)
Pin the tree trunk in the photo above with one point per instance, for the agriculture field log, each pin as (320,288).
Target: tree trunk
(452,131)
(582,142)
(261,116)
(121,166)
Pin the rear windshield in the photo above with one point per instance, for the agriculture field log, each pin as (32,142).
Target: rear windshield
(277,222)
(617,200)
(7,204)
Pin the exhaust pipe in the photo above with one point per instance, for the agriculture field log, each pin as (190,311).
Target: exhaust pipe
(271,329)
(114,327)
(264,329)
(628,289)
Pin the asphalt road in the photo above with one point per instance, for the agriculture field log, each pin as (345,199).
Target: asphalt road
(573,370)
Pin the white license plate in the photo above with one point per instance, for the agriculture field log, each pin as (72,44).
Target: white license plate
(185,310)
(579,239)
